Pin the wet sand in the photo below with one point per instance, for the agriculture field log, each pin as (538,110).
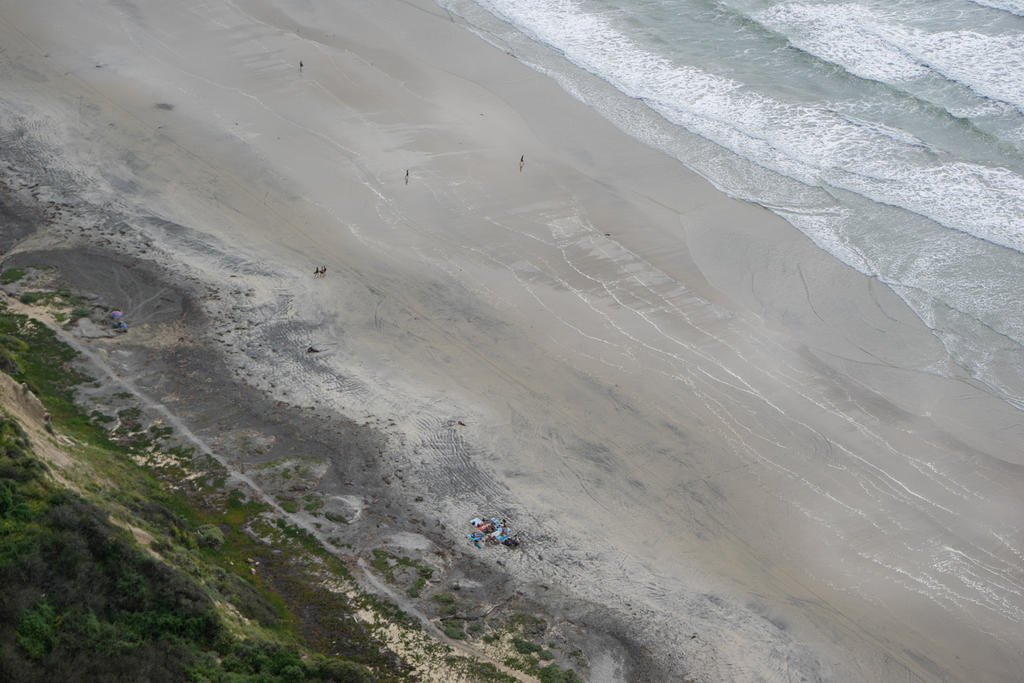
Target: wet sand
(750,454)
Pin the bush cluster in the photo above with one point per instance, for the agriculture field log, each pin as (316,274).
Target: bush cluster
(80,600)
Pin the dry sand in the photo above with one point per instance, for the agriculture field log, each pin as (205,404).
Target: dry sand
(739,446)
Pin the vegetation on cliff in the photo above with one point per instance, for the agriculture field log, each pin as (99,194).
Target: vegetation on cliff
(137,558)
(83,600)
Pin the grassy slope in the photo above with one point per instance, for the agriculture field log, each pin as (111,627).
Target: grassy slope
(82,600)
(86,599)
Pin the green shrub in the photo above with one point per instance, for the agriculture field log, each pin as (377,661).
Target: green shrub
(416,587)
(99,418)
(453,629)
(552,673)
(340,670)
(446,601)
(525,647)
(37,631)
(253,660)
(31,297)
(211,536)
(382,563)
(9,341)
(131,414)
(475,670)
(11,275)
(531,625)
(7,362)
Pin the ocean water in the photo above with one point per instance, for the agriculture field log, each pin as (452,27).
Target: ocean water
(890,132)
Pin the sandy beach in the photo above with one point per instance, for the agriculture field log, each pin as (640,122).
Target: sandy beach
(731,450)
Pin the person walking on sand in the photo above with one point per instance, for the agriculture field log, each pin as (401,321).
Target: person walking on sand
(522,162)
(323,271)
(406,176)
(300,66)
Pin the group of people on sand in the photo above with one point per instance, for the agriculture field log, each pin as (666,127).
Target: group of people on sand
(320,272)
(493,532)
(117,321)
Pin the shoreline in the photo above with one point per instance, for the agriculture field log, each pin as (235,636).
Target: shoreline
(662,384)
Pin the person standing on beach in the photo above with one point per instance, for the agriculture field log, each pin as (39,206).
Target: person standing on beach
(522,162)
(406,176)
(300,66)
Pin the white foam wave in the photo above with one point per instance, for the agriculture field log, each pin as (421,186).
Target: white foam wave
(811,142)
(883,44)
(1011,6)
(852,36)
(990,65)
